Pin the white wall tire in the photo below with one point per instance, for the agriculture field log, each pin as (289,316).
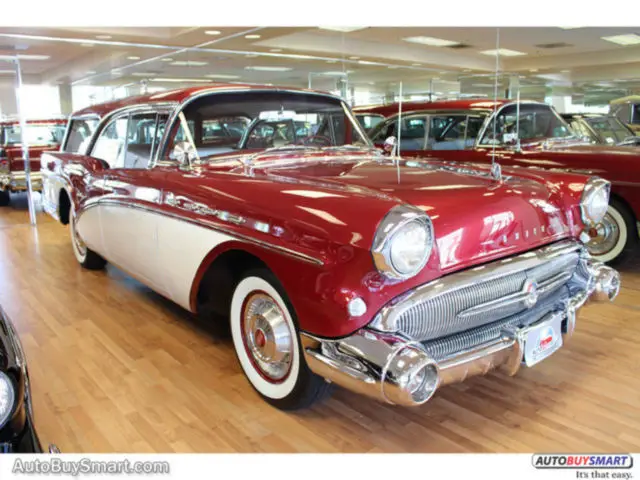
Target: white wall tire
(299,387)
(621,233)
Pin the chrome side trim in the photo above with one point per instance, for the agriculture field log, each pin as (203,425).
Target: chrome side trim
(386,320)
(91,203)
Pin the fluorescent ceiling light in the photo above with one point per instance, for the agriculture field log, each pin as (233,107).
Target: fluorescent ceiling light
(275,50)
(569,28)
(334,74)
(188,63)
(212,32)
(503,52)
(416,64)
(354,58)
(628,39)
(143,74)
(432,41)
(391,67)
(366,62)
(4,72)
(185,80)
(167,60)
(33,57)
(222,75)
(103,37)
(332,61)
(342,29)
(87,44)
(269,69)
(90,72)
(251,55)
(252,36)
(133,57)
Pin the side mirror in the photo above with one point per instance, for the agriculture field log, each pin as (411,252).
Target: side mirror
(390,146)
(184,153)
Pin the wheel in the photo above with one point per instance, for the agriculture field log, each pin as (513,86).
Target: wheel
(85,256)
(5,198)
(616,237)
(265,337)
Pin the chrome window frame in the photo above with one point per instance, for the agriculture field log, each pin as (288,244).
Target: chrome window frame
(499,111)
(180,107)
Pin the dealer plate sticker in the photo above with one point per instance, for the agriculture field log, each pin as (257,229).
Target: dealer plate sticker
(541,341)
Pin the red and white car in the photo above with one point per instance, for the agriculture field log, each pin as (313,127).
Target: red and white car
(41,135)
(329,261)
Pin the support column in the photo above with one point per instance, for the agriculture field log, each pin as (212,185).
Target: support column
(8,105)
(66,99)
(513,87)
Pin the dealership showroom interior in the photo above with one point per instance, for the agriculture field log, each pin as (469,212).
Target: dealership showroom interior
(365,239)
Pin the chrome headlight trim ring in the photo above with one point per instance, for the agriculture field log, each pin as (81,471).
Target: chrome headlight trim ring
(594,186)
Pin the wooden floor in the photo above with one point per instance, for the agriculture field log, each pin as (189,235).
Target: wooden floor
(117,368)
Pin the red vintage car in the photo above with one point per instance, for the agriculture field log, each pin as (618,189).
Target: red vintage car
(41,135)
(329,261)
(528,134)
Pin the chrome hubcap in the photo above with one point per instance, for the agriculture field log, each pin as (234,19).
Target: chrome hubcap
(604,236)
(267,336)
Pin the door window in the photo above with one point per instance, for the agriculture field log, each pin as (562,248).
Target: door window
(411,134)
(112,143)
(141,134)
(453,132)
(80,132)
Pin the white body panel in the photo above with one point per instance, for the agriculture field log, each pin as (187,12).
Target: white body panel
(161,251)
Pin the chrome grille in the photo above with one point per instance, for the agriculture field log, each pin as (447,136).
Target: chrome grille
(484,301)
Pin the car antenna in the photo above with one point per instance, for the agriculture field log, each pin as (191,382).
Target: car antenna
(496,171)
(397,159)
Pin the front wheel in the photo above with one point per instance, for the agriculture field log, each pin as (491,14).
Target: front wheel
(615,238)
(85,256)
(267,343)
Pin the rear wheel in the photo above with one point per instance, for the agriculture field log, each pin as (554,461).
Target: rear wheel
(267,344)
(615,238)
(5,198)
(85,256)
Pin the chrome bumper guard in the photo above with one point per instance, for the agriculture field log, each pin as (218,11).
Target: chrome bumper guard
(17,181)
(393,368)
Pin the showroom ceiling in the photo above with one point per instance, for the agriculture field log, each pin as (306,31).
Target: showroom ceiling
(375,57)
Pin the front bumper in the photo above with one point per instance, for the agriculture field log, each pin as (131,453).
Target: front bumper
(17,181)
(393,368)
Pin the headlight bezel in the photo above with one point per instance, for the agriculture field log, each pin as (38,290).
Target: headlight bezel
(5,416)
(594,186)
(395,221)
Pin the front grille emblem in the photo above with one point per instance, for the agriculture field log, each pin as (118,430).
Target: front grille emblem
(530,291)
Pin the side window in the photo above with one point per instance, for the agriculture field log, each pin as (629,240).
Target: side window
(623,112)
(111,143)
(448,132)
(140,136)
(386,131)
(80,132)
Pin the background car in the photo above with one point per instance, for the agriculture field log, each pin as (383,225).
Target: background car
(601,129)
(627,110)
(41,135)
(17,430)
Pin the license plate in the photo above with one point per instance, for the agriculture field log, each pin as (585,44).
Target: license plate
(542,340)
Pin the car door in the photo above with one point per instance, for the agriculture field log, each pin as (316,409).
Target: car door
(128,213)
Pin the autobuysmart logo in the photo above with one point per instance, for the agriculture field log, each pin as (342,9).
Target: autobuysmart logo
(561,460)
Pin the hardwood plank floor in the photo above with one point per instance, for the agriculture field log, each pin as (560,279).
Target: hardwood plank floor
(117,368)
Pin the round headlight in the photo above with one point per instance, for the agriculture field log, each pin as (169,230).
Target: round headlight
(408,248)
(7,398)
(403,242)
(595,201)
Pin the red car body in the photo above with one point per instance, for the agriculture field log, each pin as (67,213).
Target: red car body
(617,164)
(12,164)
(310,215)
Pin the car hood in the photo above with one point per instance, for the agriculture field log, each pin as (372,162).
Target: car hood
(475,217)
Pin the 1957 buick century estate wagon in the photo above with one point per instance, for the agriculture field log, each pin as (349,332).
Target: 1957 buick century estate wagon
(332,262)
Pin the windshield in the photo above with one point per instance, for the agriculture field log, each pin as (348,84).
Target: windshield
(223,123)
(35,134)
(610,129)
(536,122)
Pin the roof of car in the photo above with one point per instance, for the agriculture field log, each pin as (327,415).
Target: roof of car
(459,104)
(178,96)
(35,121)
